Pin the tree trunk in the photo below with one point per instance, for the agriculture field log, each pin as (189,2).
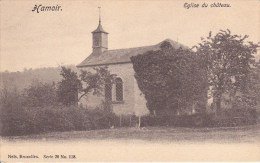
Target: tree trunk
(218,104)
(76,99)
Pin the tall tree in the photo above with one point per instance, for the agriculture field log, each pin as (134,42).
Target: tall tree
(95,80)
(228,59)
(68,87)
(40,94)
(169,78)
(73,87)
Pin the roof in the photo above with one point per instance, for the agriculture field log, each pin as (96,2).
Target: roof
(99,29)
(120,56)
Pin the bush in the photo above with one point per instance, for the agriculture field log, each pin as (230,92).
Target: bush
(235,117)
(102,117)
(13,119)
(40,95)
(30,113)
(16,121)
(194,120)
(33,120)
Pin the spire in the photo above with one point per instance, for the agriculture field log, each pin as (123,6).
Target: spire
(99,37)
(99,28)
(99,10)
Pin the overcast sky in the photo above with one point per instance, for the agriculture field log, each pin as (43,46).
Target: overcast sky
(49,39)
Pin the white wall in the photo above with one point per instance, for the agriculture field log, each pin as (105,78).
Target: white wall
(133,101)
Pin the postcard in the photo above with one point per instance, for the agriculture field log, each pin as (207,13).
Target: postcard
(129,81)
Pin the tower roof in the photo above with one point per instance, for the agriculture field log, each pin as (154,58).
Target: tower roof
(99,29)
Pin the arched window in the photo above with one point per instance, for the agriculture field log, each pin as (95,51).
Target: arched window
(108,90)
(119,89)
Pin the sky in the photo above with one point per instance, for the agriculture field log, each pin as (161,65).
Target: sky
(53,38)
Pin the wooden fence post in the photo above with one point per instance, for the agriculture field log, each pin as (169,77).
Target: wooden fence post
(120,120)
(139,124)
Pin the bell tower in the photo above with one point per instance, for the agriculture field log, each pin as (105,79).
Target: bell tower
(99,38)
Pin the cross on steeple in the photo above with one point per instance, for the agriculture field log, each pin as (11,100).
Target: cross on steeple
(99,11)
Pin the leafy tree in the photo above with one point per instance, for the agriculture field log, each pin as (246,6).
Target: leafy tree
(13,119)
(251,94)
(10,98)
(94,81)
(228,59)
(256,82)
(68,87)
(40,94)
(73,87)
(169,78)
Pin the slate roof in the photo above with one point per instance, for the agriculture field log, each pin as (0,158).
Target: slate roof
(120,56)
(99,29)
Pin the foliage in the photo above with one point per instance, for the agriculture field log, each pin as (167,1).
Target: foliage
(18,119)
(13,119)
(94,81)
(251,94)
(170,78)
(228,59)
(102,119)
(68,87)
(87,82)
(24,121)
(35,110)
(193,120)
(40,94)
(235,117)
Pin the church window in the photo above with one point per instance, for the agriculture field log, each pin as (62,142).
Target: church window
(108,91)
(119,89)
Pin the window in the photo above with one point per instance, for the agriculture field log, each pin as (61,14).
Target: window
(108,91)
(119,89)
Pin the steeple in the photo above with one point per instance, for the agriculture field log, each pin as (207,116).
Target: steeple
(99,37)
(99,11)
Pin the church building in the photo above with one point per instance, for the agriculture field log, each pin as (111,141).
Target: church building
(125,94)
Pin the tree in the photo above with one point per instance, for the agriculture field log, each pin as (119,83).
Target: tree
(228,59)
(40,94)
(68,87)
(73,87)
(94,81)
(169,78)
(251,93)
(13,118)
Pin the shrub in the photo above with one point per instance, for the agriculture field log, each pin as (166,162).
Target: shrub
(40,95)
(14,119)
(33,120)
(30,112)
(235,117)
(195,120)
(101,118)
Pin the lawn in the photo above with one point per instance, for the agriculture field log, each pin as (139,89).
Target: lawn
(133,144)
(244,134)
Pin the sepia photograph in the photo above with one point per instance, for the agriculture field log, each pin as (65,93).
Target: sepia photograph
(129,81)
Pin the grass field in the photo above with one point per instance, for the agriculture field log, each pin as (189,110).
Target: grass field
(132,144)
(248,134)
